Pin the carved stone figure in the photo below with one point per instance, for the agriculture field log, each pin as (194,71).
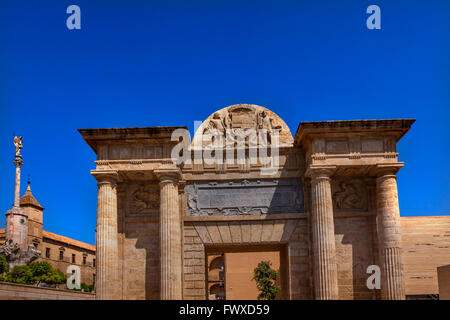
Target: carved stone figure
(18,144)
(17,256)
(266,123)
(144,198)
(350,197)
(228,121)
(216,123)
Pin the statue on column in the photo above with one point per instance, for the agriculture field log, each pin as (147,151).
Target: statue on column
(18,144)
(16,249)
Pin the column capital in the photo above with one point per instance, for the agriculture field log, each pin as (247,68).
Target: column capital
(323,171)
(106,176)
(387,169)
(168,175)
(18,162)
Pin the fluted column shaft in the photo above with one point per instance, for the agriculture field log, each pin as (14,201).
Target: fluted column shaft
(18,163)
(389,237)
(106,241)
(325,269)
(170,233)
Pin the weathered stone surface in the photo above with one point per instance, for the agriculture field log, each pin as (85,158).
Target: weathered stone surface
(324,227)
(108,281)
(389,233)
(244,197)
(171,242)
(324,247)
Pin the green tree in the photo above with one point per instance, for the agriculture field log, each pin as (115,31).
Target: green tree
(55,276)
(20,274)
(266,278)
(86,288)
(35,273)
(40,270)
(3,265)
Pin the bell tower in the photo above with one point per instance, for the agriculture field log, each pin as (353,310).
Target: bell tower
(35,212)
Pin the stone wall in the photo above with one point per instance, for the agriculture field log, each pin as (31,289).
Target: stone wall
(69,246)
(426,246)
(87,270)
(248,235)
(299,255)
(140,260)
(444,282)
(354,254)
(14,291)
(194,268)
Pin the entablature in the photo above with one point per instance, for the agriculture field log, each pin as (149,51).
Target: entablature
(351,142)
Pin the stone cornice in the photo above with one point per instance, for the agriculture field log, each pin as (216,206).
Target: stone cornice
(397,126)
(168,175)
(111,176)
(320,170)
(384,169)
(94,136)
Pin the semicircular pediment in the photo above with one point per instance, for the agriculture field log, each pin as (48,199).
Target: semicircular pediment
(244,117)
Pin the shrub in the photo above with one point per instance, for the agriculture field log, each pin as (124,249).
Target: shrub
(87,288)
(20,274)
(3,265)
(55,276)
(35,273)
(266,278)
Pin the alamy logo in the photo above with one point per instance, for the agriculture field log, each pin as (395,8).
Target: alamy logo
(74,280)
(74,20)
(374,281)
(374,20)
(217,145)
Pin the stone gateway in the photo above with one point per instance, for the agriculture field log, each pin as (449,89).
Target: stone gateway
(169,230)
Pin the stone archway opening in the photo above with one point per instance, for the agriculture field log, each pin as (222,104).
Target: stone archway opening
(229,270)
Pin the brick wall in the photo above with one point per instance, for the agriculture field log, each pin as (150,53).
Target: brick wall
(300,261)
(193,264)
(426,246)
(140,260)
(354,253)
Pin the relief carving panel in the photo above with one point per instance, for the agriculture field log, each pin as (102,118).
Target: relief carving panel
(143,199)
(244,197)
(350,195)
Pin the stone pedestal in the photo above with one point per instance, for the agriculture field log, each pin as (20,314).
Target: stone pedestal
(389,236)
(17,227)
(107,284)
(170,237)
(17,218)
(324,247)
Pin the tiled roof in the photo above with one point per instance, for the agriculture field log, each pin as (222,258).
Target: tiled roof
(29,199)
(59,238)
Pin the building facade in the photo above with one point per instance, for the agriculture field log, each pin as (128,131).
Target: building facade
(327,208)
(60,251)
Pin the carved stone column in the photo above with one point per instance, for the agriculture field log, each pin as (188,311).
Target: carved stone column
(324,247)
(170,236)
(18,163)
(107,283)
(16,217)
(389,234)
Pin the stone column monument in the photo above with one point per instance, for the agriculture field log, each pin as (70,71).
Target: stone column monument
(389,234)
(16,249)
(107,255)
(170,236)
(324,247)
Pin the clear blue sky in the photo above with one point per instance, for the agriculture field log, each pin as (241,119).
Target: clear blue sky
(161,63)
